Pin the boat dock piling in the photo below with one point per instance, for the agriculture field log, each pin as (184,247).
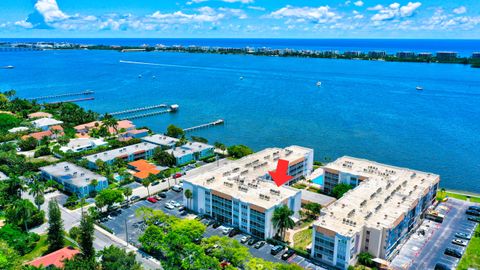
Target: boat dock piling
(87,92)
(211,124)
(72,100)
(140,109)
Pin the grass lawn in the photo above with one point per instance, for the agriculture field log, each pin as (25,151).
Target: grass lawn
(471,258)
(441,195)
(299,186)
(38,251)
(303,239)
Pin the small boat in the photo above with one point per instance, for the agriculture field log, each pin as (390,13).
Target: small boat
(419,88)
(140,76)
(241,78)
(153,77)
(319,83)
(8,67)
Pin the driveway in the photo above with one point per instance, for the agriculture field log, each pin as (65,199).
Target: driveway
(423,251)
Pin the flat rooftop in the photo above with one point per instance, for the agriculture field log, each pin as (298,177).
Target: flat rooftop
(247,178)
(160,139)
(380,201)
(120,152)
(72,173)
(197,146)
(180,151)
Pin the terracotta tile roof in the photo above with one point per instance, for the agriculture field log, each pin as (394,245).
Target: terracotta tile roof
(55,258)
(141,165)
(39,115)
(39,135)
(144,174)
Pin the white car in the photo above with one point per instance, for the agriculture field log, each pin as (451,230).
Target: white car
(174,203)
(460,242)
(169,206)
(227,230)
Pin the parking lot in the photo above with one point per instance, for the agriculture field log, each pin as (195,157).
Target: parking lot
(135,227)
(424,250)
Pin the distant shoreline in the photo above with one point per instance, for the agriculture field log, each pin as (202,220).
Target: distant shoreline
(446,57)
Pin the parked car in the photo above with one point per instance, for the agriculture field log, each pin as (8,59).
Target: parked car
(162,195)
(227,230)
(174,203)
(463,236)
(476,219)
(259,244)
(252,241)
(151,199)
(169,206)
(177,188)
(245,239)
(276,249)
(216,225)
(472,213)
(134,198)
(155,183)
(182,208)
(211,222)
(441,266)
(233,232)
(158,198)
(453,252)
(460,242)
(474,207)
(177,175)
(287,254)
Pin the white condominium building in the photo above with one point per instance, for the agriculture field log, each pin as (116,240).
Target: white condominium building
(376,216)
(241,193)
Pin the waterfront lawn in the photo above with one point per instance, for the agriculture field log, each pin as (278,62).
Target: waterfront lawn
(441,195)
(471,258)
(302,239)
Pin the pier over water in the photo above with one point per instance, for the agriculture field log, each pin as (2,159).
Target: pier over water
(83,93)
(207,125)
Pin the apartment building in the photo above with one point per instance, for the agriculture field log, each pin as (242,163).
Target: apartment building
(241,193)
(376,216)
(74,179)
(129,153)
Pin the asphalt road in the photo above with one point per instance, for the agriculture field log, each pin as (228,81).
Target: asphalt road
(424,251)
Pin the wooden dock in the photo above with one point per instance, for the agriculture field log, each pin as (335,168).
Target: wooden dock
(147,108)
(87,92)
(136,116)
(207,125)
(71,100)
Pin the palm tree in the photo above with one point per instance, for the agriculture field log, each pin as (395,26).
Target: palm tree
(110,122)
(282,220)
(189,195)
(365,258)
(127,191)
(146,183)
(37,190)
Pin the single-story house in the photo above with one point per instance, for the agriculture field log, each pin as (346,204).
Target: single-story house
(75,179)
(143,169)
(55,259)
(18,129)
(122,125)
(83,144)
(135,133)
(36,115)
(46,123)
(50,133)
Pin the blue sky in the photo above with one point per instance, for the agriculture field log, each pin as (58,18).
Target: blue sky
(241,18)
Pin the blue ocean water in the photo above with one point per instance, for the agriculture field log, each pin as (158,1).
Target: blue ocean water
(366,109)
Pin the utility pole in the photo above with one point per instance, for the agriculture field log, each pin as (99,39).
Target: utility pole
(126,231)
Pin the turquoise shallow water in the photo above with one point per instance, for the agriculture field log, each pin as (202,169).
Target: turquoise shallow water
(363,109)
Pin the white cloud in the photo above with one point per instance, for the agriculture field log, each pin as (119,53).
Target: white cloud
(358,3)
(239,1)
(460,10)
(196,2)
(394,10)
(256,8)
(24,24)
(359,16)
(377,7)
(320,14)
(49,10)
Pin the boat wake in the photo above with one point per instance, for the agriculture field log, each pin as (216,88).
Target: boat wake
(179,66)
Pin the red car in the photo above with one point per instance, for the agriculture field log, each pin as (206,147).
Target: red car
(151,199)
(177,175)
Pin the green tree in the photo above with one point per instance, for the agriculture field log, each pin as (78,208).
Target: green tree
(239,151)
(189,195)
(228,249)
(109,197)
(220,146)
(115,258)
(199,139)
(9,259)
(365,258)
(282,220)
(86,237)
(27,144)
(174,131)
(109,121)
(340,189)
(11,189)
(37,190)
(7,122)
(127,191)
(80,263)
(23,214)
(164,158)
(312,210)
(147,182)
(152,239)
(56,234)
(21,242)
